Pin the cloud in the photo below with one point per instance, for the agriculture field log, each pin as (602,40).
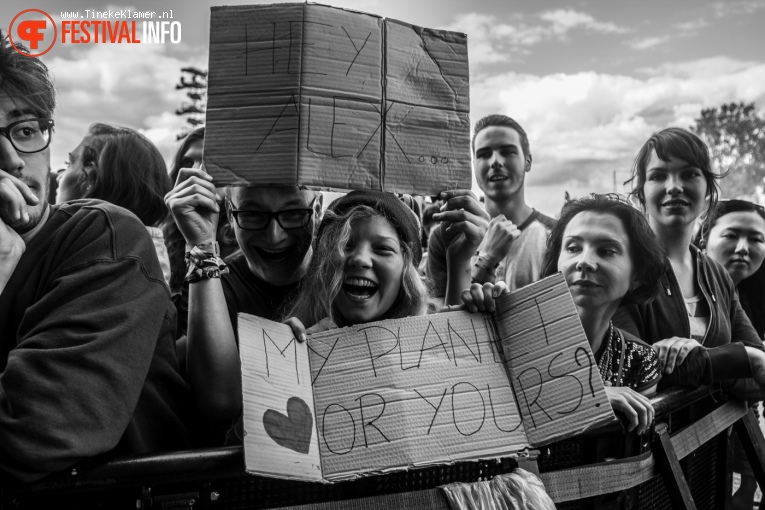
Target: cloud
(564,20)
(584,127)
(493,41)
(737,8)
(121,84)
(693,25)
(649,42)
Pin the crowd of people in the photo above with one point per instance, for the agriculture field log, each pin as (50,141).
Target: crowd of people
(119,303)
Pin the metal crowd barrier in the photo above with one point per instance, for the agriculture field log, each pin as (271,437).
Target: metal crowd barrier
(683,462)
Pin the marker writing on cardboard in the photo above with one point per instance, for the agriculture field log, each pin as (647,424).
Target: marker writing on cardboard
(469,409)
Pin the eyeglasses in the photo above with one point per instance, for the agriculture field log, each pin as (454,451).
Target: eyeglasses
(259,220)
(29,135)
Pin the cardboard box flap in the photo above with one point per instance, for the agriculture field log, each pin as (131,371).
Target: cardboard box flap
(553,370)
(278,409)
(300,94)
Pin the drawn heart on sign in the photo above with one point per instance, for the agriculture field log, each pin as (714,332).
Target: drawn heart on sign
(294,430)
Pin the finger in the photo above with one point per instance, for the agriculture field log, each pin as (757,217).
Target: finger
(192,189)
(472,232)
(466,203)
(661,353)
(684,351)
(476,290)
(499,289)
(467,298)
(197,202)
(449,194)
(13,207)
(27,194)
(672,357)
(488,297)
(633,419)
(187,173)
(194,181)
(297,328)
(461,215)
(643,416)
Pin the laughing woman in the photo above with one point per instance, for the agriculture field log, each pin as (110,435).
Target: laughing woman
(696,322)
(364,266)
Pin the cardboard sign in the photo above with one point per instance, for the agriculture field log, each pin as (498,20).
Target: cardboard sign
(307,94)
(422,390)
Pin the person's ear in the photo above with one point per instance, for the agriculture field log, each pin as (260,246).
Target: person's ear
(703,244)
(635,283)
(527,168)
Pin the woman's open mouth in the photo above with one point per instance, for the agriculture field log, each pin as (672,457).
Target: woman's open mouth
(360,289)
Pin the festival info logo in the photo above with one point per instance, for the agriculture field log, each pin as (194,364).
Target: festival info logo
(31,27)
(36,31)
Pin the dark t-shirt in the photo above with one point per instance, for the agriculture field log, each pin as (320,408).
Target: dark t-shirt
(245,293)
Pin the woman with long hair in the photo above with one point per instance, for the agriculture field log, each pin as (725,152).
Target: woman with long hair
(121,166)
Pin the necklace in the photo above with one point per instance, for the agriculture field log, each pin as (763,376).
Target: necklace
(606,359)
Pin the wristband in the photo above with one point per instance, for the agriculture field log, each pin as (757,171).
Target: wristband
(211,247)
(483,270)
(486,260)
(204,262)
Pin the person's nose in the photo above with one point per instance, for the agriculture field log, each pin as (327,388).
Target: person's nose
(674,185)
(496,160)
(274,232)
(588,261)
(10,160)
(360,256)
(742,246)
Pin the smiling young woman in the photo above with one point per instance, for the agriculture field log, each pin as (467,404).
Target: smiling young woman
(365,264)
(696,322)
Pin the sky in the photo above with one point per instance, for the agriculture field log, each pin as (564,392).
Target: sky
(588,80)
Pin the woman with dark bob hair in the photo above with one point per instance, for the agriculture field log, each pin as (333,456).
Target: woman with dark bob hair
(121,166)
(696,321)
(609,257)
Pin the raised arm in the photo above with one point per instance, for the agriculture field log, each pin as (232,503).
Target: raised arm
(463,224)
(212,358)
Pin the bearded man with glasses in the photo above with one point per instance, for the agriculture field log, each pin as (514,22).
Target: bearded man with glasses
(274,228)
(87,358)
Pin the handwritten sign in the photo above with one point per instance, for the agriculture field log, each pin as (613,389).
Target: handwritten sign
(329,98)
(554,373)
(422,390)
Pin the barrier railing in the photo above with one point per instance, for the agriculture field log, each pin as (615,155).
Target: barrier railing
(683,462)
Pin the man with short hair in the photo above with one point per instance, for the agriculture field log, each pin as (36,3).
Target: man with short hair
(87,360)
(468,248)
(274,227)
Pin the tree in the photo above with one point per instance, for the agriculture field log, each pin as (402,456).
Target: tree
(735,134)
(197,93)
